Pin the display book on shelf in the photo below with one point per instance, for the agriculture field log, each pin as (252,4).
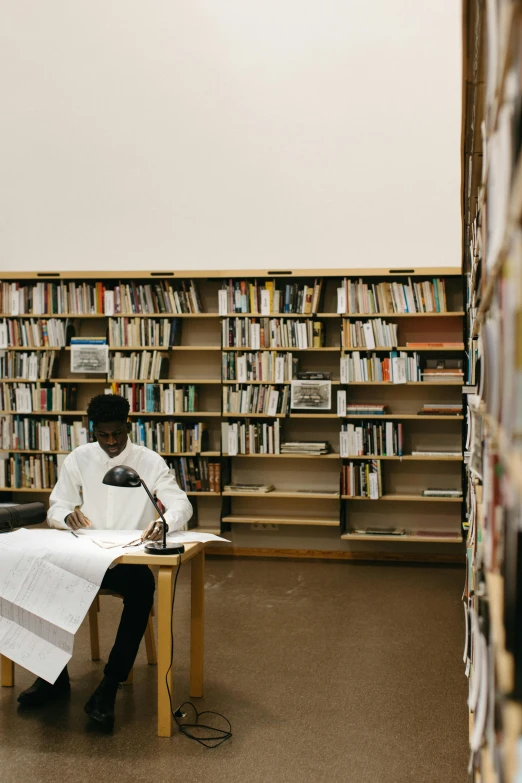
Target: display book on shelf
(493,457)
(148,390)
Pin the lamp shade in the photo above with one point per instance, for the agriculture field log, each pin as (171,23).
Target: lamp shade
(122,476)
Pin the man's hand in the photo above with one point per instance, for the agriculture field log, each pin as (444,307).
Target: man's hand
(76,520)
(153,531)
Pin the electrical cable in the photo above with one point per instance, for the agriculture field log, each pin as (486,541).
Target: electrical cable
(188,729)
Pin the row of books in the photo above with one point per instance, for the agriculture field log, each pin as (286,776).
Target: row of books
(26,397)
(358,408)
(250,437)
(170,437)
(382,438)
(443,370)
(161,333)
(99,298)
(137,366)
(267,366)
(196,474)
(159,297)
(242,296)
(29,433)
(256,399)
(362,479)
(164,398)
(399,367)
(28,366)
(38,471)
(272,333)
(427,296)
(370,334)
(33,333)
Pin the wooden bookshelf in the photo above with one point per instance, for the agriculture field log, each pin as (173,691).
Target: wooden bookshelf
(200,358)
(492,209)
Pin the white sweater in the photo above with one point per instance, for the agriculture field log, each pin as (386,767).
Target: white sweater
(117,508)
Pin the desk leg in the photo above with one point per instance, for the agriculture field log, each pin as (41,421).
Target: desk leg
(7,672)
(165,588)
(197,609)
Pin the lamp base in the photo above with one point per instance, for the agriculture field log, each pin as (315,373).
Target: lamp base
(157,548)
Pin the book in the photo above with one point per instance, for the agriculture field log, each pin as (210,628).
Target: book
(379,531)
(258,489)
(436,493)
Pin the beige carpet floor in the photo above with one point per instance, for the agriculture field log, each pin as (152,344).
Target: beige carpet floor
(329,673)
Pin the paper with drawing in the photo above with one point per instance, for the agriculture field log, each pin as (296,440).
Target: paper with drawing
(48,580)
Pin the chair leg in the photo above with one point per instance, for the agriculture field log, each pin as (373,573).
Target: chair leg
(7,672)
(93,629)
(150,641)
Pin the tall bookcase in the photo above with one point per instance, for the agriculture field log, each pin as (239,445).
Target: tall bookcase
(307,510)
(492,169)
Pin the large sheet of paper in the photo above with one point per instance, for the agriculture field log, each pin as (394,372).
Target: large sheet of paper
(48,580)
(113,538)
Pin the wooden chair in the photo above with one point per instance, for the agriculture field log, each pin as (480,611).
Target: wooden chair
(150,641)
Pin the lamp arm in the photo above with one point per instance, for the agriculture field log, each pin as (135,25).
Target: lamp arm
(165,526)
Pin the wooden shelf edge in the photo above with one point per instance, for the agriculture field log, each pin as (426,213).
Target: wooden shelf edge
(411,538)
(251,520)
(405,498)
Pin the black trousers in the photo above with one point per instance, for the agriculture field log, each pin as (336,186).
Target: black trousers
(136,584)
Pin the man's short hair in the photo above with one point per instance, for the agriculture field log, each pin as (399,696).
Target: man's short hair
(108,407)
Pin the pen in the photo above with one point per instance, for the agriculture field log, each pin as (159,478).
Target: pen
(75,534)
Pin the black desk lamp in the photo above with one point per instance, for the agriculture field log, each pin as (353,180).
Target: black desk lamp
(123,476)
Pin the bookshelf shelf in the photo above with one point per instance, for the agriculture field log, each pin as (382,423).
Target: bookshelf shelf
(400,348)
(404,315)
(332,455)
(204,494)
(175,381)
(26,489)
(331,348)
(281,520)
(432,539)
(164,348)
(397,497)
(408,383)
(277,494)
(42,413)
(113,315)
(313,416)
(266,383)
(407,416)
(163,453)
(191,414)
(408,457)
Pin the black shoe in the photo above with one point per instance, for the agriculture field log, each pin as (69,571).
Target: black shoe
(42,691)
(100,707)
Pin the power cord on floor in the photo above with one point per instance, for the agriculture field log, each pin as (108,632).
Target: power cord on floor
(192,729)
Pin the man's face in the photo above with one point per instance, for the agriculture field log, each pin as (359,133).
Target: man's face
(112,436)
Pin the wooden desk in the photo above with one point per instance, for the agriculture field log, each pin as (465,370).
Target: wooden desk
(195,553)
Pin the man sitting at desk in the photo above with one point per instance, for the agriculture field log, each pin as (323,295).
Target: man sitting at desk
(80,499)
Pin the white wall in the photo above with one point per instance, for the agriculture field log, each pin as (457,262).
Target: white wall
(229,134)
